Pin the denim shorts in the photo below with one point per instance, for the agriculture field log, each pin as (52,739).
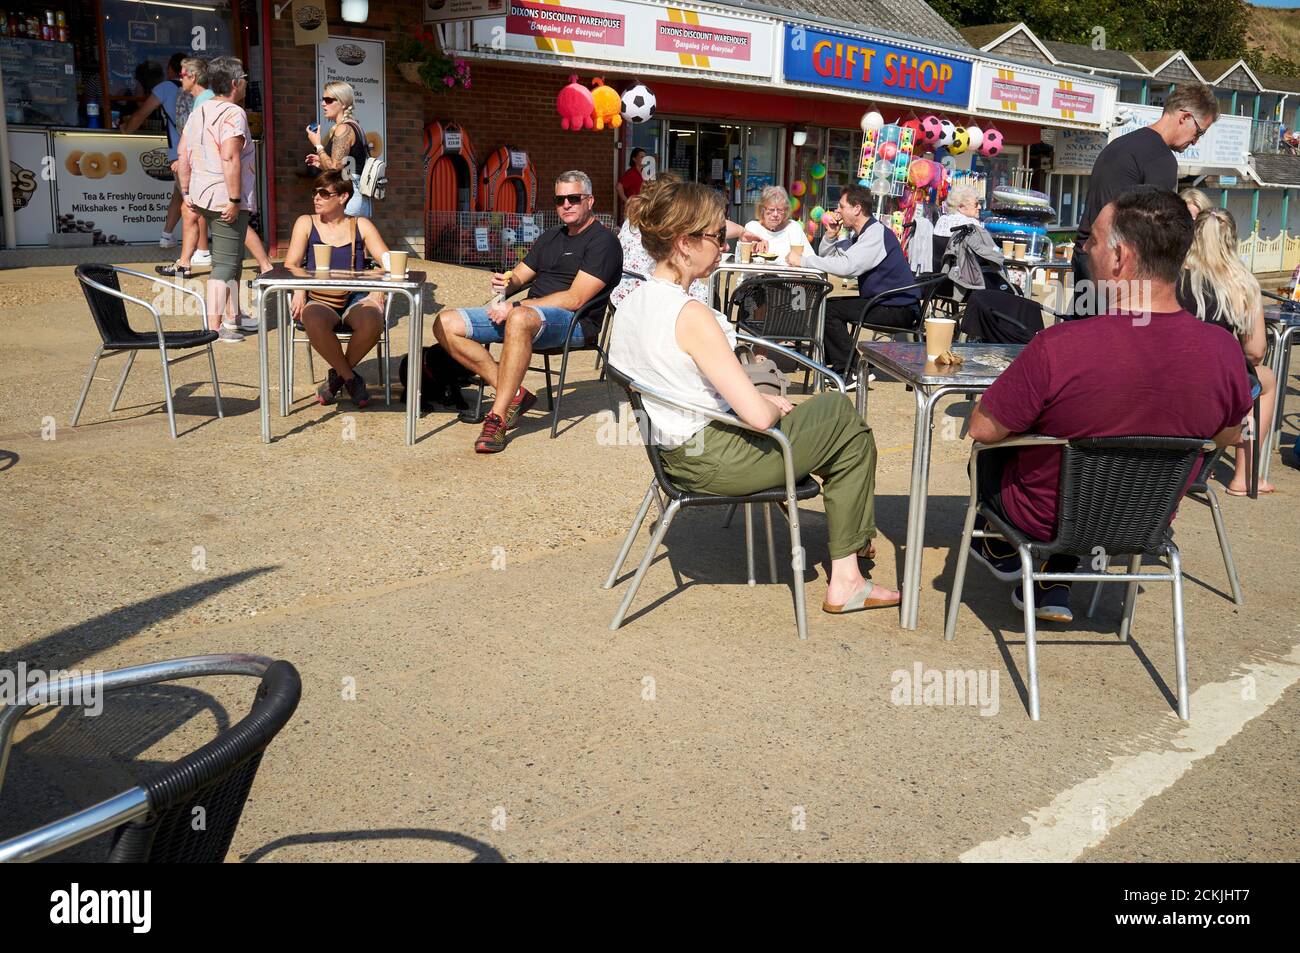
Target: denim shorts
(555,321)
(356,297)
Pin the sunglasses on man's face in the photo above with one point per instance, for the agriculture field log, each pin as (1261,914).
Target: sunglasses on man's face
(1199,131)
(575,199)
(328,100)
(324,194)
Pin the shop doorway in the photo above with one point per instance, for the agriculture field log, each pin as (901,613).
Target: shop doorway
(737,159)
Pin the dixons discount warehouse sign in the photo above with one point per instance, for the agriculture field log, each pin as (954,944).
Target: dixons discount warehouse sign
(834,59)
(625,31)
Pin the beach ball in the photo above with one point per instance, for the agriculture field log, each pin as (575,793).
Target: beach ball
(947,129)
(888,151)
(794,205)
(919,173)
(818,171)
(797,187)
(992,143)
(816,215)
(931,130)
(871,121)
(960,141)
(976,136)
(639,104)
(883,170)
(913,124)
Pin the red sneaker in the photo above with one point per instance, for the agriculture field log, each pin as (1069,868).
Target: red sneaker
(492,438)
(522,403)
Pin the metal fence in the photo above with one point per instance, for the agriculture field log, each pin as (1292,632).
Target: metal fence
(1266,137)
(497,240)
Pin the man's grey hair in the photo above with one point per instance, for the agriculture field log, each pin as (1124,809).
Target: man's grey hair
(223,73)
(573,175)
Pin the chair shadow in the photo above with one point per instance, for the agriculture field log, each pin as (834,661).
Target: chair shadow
(76,761)
(588,397)
(701,552)
(8,460)
(483,853)
(64,648)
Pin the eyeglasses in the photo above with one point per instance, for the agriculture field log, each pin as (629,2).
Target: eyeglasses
(775,209)
(575,199)
(328,100)
(324,194)
(719,237)
(1199,131)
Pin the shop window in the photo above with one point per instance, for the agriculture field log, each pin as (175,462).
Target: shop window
(843,153)
(1068,194)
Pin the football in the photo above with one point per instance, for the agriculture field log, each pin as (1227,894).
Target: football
(638,104)
(931,130)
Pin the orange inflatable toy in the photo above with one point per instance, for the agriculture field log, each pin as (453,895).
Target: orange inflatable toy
(607,105)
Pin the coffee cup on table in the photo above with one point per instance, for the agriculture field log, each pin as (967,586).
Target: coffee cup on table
(397,263)
(938,336)
(1067,252)
(1020,251)
(744,252)
(320,254)
(1008,247)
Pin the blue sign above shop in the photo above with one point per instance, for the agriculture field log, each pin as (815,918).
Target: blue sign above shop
(833,59)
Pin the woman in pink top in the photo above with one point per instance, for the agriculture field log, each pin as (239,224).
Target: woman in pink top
(217,180)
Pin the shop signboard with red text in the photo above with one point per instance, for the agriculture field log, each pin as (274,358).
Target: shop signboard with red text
(635,33)
(1022,93)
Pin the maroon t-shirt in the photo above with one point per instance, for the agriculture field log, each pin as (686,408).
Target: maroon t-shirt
(1111,376)
(631,181)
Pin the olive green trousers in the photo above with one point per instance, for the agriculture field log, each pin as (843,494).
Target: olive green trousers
(829,440)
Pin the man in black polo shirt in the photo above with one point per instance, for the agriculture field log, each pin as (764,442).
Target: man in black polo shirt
(1143,157)
(570,268)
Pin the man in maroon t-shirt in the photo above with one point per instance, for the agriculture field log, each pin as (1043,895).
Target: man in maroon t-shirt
(1143,367)
(630,182)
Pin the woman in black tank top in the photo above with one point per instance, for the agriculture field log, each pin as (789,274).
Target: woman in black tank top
(321,311)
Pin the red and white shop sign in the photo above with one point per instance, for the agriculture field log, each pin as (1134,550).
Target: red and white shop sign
(564,23)
(692,40)
(1025,93)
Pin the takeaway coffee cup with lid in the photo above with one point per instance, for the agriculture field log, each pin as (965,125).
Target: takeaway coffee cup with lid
(320,254)
(938,336)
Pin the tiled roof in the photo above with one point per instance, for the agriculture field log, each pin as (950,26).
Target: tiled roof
(1076,54)
(1277,169)
(981,36)
(907,17)
(1152,59)
(1213,69)
(1286,84)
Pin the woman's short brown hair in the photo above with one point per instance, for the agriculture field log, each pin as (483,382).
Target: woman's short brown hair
(674,210)
(335,181)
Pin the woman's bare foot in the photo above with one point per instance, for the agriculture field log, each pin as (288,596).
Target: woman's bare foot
(1243,488)
(838,593)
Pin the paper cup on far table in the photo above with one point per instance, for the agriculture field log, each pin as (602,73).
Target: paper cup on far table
(1007,248)
(320,256)
(1020,248)
(397,263)
(938,336)
(744,252)
(1067,252)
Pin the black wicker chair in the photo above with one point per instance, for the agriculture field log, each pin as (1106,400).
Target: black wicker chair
(556,394)
(1117,496)
(670,498)
(107,304)
(153,822)
(791,309)
(925,284)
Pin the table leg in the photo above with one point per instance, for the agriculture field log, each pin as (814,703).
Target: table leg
(1264,443)
(284,327)
(263,372)
(414,355)
(916,500)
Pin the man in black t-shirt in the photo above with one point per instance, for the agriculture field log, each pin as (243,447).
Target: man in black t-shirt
(1144,157)
(571,268)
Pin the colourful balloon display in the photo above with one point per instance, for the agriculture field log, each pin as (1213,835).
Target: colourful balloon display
(818,171)
(816,215)
(797,187)
(871,121)
(888,150)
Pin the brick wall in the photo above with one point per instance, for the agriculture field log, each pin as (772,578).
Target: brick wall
(505,105)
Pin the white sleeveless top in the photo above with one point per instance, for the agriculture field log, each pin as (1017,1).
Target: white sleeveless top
(643,345)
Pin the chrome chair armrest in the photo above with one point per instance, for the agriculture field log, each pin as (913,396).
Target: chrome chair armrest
(203,303)
(801,359)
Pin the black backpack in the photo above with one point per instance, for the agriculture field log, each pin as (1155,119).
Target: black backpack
(441,379)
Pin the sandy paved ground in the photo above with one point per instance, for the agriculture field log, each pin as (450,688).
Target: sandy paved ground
(496,716)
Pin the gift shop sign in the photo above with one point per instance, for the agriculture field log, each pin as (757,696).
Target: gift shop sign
(1225,145)
(1028,94)
(821,58)
(639,34)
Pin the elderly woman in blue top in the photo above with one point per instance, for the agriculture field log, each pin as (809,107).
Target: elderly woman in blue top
(857,245)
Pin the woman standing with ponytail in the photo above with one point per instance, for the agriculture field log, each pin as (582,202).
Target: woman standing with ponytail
(345,148)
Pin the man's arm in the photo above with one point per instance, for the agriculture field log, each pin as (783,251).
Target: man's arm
(847,258)
(984,428)
(584,288)
(137,118)
(1227,436)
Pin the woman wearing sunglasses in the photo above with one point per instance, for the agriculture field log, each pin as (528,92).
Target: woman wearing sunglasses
(320,312)
(666,339)
(344,148)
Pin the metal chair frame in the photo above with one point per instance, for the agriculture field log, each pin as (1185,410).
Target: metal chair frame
(210,764)
(668,510)
(167,362)
(383,346)
(1029,575)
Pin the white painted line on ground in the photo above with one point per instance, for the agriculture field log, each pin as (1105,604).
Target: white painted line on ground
(1081,817)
